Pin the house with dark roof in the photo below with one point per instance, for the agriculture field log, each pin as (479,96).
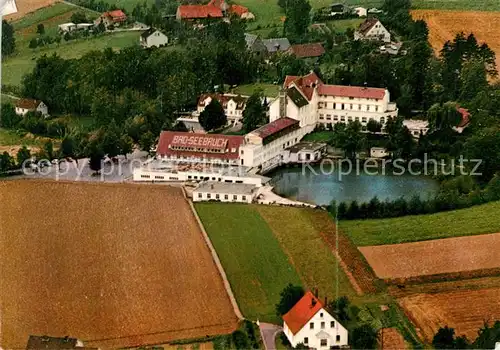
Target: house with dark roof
(372,29)
(44,342)
(309,323)
(255,44)
(311,50)
(25,105)
(276,45)
(115,18)
(153,38)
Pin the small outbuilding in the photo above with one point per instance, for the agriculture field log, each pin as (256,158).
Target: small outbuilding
(224,192)
(25,105)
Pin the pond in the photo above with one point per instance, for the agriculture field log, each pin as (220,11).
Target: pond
(309,184)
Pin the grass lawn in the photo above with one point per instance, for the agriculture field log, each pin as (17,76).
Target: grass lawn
(476,220)
(313,260)
(255,264)
(340,25)
(14,68)
(7,99)
(128,5)
(14,138)
(270,90)
(319,136)
(42,15)
(479,5)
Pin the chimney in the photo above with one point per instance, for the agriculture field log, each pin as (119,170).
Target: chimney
(326,301)
(313,302)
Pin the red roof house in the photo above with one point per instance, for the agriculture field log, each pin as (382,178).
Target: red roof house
(307,50)
(309,323)
(115,17)
(190,12)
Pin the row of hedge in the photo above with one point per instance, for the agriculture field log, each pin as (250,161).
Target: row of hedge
(446,199)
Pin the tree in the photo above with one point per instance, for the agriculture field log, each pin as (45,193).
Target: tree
(67,148)
(40,29)
(111,141)
(254,113)
(6,162)
(488,336)
(48,148)
(349,137)
(213,116)
(485,145)
(373,126)
(297,19)
(240,340)
(126,145)
(444,338)
(23,155)
(289,296)
(8,117)
(339,308)
(96,154)
(79,17)
(474,80)
(147,141)
(8,39)
(443,117)
(364,337)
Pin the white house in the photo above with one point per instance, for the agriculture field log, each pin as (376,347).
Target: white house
(372,29)
(311,102)
(416,126)
(310,324)
(378,152)
(361,11)
(153,38)
(224,192)
(25,105)
(264,147)
(233,105)
(66,27)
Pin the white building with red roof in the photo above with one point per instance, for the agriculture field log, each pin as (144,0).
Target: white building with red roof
(312,102)
(264,147)
(310,324)
(115,17)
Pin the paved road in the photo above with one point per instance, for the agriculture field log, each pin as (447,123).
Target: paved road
(269,332)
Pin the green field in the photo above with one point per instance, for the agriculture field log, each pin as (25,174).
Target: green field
(256,266)
(476,220)
(464,5)
(312,258)
(128,5)
(269,90)
(7,99)
(14,68)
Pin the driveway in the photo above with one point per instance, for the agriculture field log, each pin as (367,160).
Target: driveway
(268,332)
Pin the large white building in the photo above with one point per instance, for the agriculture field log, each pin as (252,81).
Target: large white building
(224,192)
(263,148)
(310,324)
(311,102)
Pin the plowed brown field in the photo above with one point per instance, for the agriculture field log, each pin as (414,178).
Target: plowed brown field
(112,264)
(434,257)
(391,339)
(26,6)
(443,25)
(465,311)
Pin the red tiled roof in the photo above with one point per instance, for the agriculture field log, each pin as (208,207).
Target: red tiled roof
(199,11)
(305,84)
(465,117)
(238,10)
(351,91)
(224,99)
(275,127)
(199,141)
(307,50)
(302,312)
(28,103)
(116,15)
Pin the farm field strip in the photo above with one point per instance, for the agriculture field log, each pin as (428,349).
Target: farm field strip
(443,25)
(313,259)
(256,266)
(116,265)
(465,311)
(479,219)
(434,257)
